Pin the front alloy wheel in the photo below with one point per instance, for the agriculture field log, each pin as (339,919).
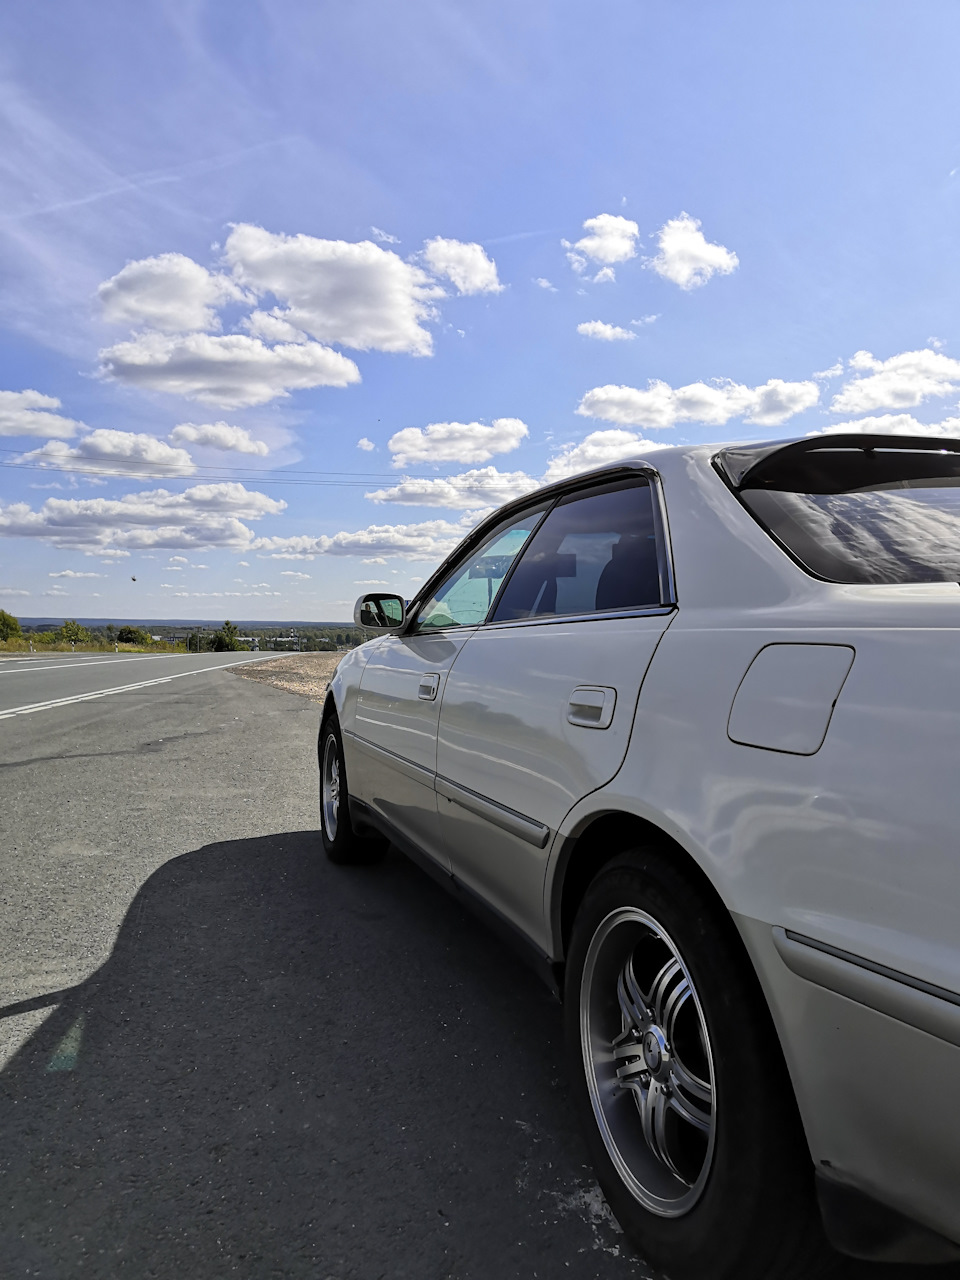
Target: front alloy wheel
(330,787)
(341,843)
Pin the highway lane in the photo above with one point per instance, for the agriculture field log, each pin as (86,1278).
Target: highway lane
(43,682)
(225,1056)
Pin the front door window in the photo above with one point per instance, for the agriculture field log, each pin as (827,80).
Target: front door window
(464,599)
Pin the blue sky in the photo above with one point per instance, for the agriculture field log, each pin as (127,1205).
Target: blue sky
(261,261)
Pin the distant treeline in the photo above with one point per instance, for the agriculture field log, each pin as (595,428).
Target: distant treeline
(173,638)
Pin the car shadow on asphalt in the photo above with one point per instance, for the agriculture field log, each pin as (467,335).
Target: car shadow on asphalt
(296,1070)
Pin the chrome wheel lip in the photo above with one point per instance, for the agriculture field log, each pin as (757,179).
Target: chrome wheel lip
(647,1178)
(330,788)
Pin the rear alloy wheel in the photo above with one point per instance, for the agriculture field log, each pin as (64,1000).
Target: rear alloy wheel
(681,1086)
(341,842)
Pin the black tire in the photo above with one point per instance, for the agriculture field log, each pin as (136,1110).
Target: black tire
(717,1103)
(341,843)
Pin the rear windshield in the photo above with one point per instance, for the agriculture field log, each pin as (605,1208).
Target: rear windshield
(863,515)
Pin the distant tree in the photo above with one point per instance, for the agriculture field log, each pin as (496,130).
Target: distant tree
(225,639)
(73,633)
(111,632)
(133,635)
(9,626)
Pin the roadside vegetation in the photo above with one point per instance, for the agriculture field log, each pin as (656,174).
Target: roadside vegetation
(72,637)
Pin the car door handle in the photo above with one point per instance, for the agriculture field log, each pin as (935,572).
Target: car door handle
(591,706)
(429,684)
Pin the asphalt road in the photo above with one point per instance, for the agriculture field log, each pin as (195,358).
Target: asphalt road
(226,1057)
(41,682)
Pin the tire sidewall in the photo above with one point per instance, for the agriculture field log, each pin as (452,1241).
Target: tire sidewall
(338,848)
(754,1168)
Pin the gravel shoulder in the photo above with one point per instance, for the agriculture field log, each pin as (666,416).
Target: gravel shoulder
(307,674)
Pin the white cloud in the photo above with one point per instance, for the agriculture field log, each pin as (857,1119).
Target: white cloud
(466,266)
(456,441)
(545,284)
(596,450)
(26,413)
(661,405)
(292,573)
(219,435)
(119,452)
(205,515)
(686,257)
(605,332)
(271,326)
(483,487)
(170,292)
(611,238)
(384,236)
(644,320)
(245,563)
(231,372)
(179,560)
(72,573)
(13,591)
(223,595)
(365,444)
(357,295)
(606,275)
(896,424)
(425,540)
(370,582)
(835,370)
(901,382)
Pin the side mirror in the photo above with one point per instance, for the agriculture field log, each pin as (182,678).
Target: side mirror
(379,611)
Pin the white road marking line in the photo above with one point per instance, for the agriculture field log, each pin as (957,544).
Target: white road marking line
(121,688)
(62,666)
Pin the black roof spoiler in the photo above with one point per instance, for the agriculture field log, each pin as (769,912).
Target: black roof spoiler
(741,463)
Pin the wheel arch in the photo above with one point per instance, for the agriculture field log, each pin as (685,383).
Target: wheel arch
(586,851)
(329,709)
(597,842)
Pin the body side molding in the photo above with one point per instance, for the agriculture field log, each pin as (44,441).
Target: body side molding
(920,1004)
(527,829)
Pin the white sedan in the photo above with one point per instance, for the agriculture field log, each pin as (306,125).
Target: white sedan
(688,728)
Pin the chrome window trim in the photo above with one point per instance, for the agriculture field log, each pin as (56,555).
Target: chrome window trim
(609,615)
(550,496)
(668,583)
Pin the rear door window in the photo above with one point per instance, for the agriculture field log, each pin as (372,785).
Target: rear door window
(594,553)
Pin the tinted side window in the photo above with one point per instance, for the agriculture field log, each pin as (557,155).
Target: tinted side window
(465,597)
(593,553)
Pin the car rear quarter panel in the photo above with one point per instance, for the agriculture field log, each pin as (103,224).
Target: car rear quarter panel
(855,845)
